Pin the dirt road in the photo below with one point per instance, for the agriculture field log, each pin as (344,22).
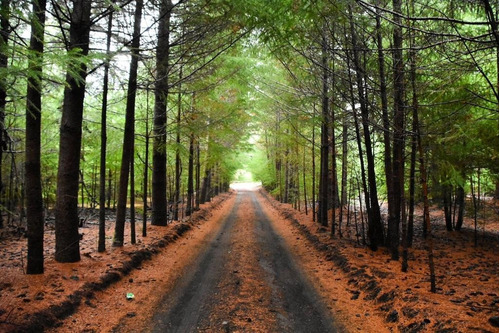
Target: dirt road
(245,280)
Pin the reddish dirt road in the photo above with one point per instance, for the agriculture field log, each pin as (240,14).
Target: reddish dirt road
(246,280)
(247,265)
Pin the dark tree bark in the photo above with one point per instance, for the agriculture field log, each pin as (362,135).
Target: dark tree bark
(385,113)
(178,165)
(304,180)
(146,178)
(413,154)
(323,179)
(343,196)
(206,186)
(4,38)
(34,201)
(429,245)
(132,199)
(374,246)
(395,208)
(447,204)
(375,228)
(190,188)
(159,195)
(197,176)
(335,184)
(67,237)
(129,133)
(461,207)
(313,153)
(101,247)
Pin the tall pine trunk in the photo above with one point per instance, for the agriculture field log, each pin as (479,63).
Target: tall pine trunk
(190,187)
(34,201)
(4,39)
(343,196)
(375,228)
(67,237)
(159,194)
(128,136)
(385,107)
(146,178)
(323,178)
(178,165)
(101,247)
(396,200)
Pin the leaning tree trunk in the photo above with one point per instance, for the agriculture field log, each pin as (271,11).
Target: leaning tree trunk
(67,237)
(128,136)
(159,193)
(101,247)
(34,201)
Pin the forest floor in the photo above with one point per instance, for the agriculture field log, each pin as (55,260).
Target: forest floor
(362,290)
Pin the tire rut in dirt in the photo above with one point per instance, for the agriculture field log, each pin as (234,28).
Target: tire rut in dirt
(297,305)
(206,298)
(192,297)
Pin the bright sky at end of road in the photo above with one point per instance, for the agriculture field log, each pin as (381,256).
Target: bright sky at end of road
(246,186)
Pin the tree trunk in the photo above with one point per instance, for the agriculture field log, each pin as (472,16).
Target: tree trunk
(132,199)
(129,133)
(159,213)
(4,38)
(313,157)
(375,228)
(413,157)
(335,184)
(178,171)
(374,245)
(206,185)
(429,245)
(323,179)
(395,208)
(343,197)
(146,178)
(34,201)
(101,247)
(447,204)
(198,176)
(67,237)
(385,113)
(304,180)
(461,207)
(190,189)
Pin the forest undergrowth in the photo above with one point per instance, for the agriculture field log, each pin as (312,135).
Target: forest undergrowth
(31,303)
(467,276)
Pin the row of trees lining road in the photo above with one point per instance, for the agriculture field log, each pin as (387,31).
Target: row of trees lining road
(182,59)
(348,105)
(398,100)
